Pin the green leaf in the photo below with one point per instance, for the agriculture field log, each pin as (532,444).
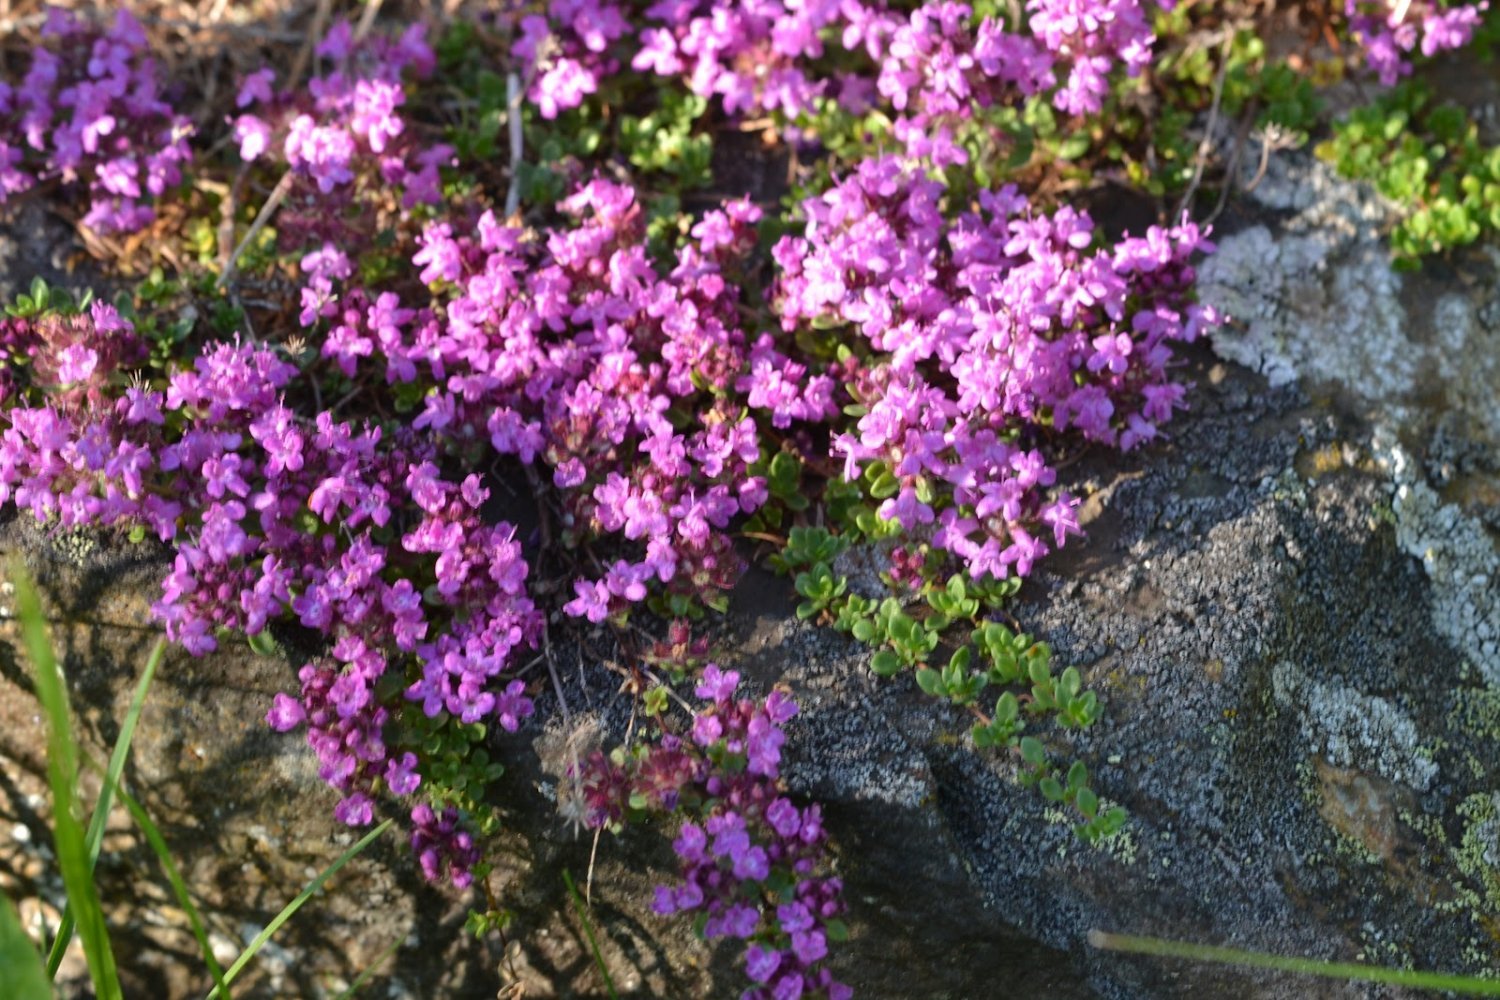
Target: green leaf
(1051,789)
(174,878)
(1078,775)
(100,818)
(291,908)
(1087,802)
(885,663)
(1032,752)
(261,643)
(864,630)
(62,769)
(836,930)
(22,975)
(930,681)
(588,931)
(961,658)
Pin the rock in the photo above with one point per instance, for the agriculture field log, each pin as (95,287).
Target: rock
(1289,609)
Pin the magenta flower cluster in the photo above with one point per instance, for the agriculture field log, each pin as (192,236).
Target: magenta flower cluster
(90,110)
(219,467)
(568,348)
(1390,31)
(348,120)
(990,331)
(748,855)
(929,66)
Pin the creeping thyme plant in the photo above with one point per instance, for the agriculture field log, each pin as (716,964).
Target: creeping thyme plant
(382,304)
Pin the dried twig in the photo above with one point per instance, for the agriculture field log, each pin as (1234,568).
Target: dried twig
(367,19)
(1205,146)
(513,119)
(278,195)
(315,32)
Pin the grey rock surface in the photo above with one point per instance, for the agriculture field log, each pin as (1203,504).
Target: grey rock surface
(1289,608)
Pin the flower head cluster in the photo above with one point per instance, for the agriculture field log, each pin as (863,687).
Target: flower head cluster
(90,110)
(749,856)
(442,845)
(570,349)
(350,114)
(274,515)
(931,65)
(987,329)
(1390,31)
(567,52)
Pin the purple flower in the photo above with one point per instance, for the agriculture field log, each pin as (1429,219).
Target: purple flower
(784,818)
(761,963)
(717,685)
(401,776)
(76,363)
(286,713)
(512,706)
(356,810)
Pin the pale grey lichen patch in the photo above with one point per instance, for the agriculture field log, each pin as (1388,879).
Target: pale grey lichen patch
(1320,301)
(1456,553)
(1355,730)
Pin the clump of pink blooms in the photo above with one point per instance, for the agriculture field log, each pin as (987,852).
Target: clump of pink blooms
(1391,31)
(930,66)
(990,332)
(638,393)
(749,857)
(347,122)
(396,563)
(568,348)
(90,110)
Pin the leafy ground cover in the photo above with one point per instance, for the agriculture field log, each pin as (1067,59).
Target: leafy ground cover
(369,290)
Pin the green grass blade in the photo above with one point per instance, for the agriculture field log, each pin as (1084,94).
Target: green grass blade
(364,977)
(588,932)
(1307,966)
(22,975)
(100,818)
(296,904)
(174,877)
(62,766)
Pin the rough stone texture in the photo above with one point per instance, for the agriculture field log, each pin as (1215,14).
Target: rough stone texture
(1289,608)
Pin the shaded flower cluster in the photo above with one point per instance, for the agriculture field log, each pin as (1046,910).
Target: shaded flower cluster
(274,515)
(568,348)
(750,858)
(932,63)
(90,110)
(347,121)
(1390,32)
(990,331)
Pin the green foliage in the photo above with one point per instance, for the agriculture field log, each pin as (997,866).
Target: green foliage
(42,299)
(174,878)
(954,681)
(100,818)
(456,766)
(1427,158)
(665,141)
(291,908)
(808,546)
(588,933)
(62,772)
(22,976)
(992,655)
(952,603)
(1348,971)
(820,588)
